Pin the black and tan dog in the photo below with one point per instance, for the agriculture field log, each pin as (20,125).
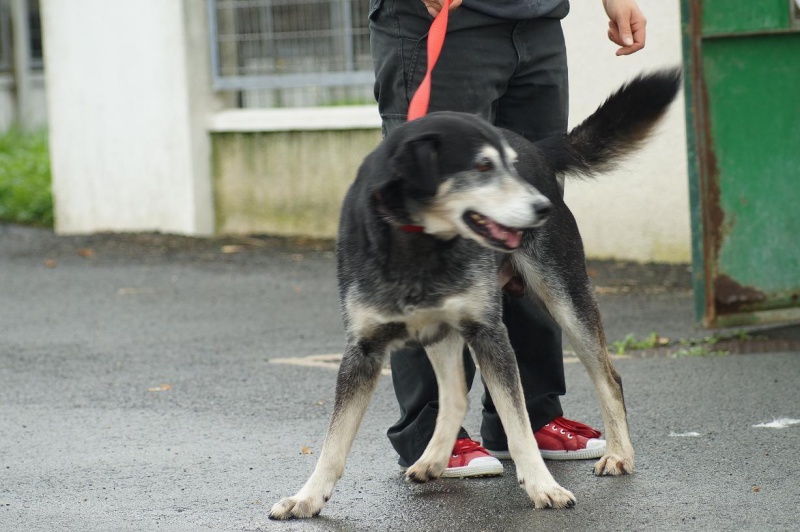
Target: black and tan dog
(441,209)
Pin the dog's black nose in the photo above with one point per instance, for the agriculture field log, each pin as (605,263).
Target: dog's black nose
(542,208)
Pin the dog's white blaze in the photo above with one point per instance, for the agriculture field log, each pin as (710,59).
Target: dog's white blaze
(511,155)
(491,153)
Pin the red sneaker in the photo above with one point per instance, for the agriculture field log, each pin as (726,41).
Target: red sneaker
(564,439)
(470,459)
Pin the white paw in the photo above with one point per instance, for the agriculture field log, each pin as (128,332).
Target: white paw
(423,471)
(613,465)
(301,507)
(549,496)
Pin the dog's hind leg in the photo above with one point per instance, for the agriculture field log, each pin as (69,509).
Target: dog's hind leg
(588,339)
(446,357)
(499,369)
(585,333)
(574,307)
(358,376)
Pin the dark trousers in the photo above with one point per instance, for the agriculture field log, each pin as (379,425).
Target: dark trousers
(514,74)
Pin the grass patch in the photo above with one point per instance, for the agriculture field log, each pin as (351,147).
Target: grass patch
(704,347)
(687,347)
(631,343)
(25,183)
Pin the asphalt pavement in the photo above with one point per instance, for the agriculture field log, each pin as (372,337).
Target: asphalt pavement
(152,382)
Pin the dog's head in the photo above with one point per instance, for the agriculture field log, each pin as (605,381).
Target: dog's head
(453,174)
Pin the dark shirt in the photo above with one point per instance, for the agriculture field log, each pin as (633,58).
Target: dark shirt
(519,9)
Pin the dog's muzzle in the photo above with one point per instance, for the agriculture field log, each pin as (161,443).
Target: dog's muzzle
(502,236)
(497,234)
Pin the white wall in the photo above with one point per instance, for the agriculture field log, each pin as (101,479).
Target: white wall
(128,98)
(641,211)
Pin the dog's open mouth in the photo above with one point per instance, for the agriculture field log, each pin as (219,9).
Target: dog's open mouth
(497,234)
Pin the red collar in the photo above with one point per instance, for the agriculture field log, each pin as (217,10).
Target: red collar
(407,228)
(412,228)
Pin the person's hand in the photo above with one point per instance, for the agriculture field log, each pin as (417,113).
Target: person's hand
(434,6)
(626,25)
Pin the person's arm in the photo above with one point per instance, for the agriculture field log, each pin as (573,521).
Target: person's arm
(626,25)
(434,6)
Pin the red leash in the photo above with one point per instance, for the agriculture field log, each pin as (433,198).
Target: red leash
(419,103)
(422,97)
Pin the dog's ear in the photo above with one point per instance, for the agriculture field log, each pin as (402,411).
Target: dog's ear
(415,164)
(617,128)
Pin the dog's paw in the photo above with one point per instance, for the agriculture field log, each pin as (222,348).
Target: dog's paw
(422,471)
(550,496)
(297,507)
(613,465)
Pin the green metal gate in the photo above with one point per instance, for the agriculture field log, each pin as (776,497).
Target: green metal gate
(742,65)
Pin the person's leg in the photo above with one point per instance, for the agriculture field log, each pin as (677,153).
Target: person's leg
(470,76)
(535,105)
(536,101)
(476,62)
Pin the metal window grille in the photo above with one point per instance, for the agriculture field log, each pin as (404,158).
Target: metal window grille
(36,61)
(289,53)
(5,36)
(35,30)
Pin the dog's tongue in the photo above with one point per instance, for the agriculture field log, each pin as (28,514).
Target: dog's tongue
(510,237)
(514,239)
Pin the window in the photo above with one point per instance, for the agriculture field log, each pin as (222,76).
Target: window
(34,31)
(5,36)
(289,53)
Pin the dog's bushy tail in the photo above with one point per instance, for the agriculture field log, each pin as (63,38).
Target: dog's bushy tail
(618,127)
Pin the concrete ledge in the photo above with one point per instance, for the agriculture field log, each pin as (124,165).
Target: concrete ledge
(296,119)
(285,182)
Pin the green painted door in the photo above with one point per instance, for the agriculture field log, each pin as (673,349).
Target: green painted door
(742,65)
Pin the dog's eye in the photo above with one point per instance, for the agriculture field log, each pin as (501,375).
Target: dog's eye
(484,165)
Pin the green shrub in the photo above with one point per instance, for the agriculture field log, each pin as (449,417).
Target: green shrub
(25,191)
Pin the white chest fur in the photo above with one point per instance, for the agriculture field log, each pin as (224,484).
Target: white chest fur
(422,322)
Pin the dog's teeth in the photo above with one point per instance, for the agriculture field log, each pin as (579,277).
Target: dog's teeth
(478,219)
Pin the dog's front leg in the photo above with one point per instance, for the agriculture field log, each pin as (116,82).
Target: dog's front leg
(448,364)
(499,369)
(358,376)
